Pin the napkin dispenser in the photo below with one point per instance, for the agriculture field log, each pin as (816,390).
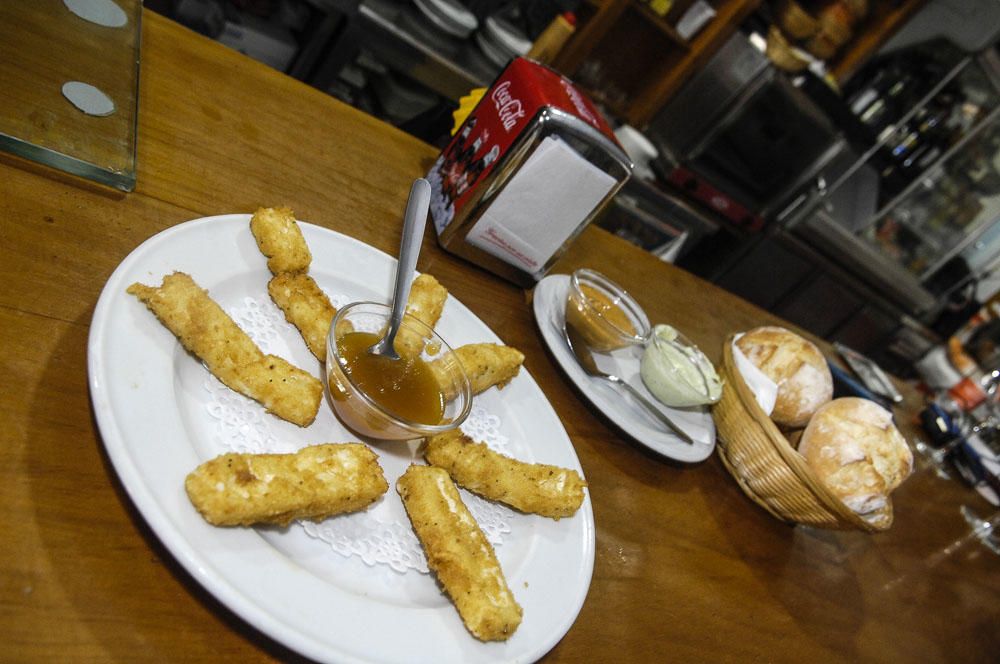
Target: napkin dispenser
(531,166)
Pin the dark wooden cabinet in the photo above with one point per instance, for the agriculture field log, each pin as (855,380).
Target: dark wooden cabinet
(790,279)
(632,60)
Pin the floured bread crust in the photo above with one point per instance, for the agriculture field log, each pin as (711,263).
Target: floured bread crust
(796,365)
(857,452)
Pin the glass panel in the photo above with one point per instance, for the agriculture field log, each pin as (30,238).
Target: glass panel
(45,44)
(925,136)
(950,205)
(931,182)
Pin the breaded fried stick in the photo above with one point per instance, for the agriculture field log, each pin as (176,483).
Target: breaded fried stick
(459,553)
(280,239)
(299,297)
(426,302)
(314,483)
(306,307)
(486,365)
(204,329)
(530,487)
(427,298)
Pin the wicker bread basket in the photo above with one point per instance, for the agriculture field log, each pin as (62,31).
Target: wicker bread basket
(766,467)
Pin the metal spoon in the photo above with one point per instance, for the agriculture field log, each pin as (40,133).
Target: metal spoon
(586,360)
(414,222)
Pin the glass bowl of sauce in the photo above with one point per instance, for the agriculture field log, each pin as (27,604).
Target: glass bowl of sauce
(423,393)
(677,372)
(603,313)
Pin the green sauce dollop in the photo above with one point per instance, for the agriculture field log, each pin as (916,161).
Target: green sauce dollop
(677,374)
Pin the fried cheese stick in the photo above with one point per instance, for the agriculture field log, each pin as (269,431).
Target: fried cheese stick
(314,483)
(486,365)
(204,329)
(299,297)
(306,307)
(529,487)
(280,239)
(427,298)
(459,553)
(425,303)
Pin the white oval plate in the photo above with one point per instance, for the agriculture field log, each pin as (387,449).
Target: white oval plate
(615,403)
(294,588)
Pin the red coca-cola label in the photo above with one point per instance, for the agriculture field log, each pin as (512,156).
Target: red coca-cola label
(499,118)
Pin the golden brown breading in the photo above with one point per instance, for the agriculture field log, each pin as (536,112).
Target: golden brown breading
(314,483)
(427,298)
(459,553)
(306,307)
(280,239)
(486,365)
(530,487)
(426,302)
(204,329)
(489,364)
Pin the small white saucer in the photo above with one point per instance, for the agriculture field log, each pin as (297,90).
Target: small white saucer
(615,403)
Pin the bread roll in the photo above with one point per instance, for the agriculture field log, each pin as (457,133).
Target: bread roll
(796,365)
(857,452)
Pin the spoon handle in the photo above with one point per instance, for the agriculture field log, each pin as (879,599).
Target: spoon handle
(656,412)
(414,222)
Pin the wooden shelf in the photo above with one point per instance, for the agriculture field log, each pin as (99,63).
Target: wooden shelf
(703,46)
(579,46)
(663,26)
(633,60)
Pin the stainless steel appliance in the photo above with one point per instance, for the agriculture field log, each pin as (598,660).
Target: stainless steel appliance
(740,137)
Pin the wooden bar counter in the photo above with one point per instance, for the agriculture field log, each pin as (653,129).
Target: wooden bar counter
(687,568)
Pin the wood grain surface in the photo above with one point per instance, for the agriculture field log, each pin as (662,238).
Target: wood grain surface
(687,568)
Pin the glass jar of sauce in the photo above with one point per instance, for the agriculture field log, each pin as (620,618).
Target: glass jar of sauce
(603,313)
(421,394)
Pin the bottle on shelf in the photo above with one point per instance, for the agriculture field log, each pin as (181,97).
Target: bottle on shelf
(660,7)
(553,38)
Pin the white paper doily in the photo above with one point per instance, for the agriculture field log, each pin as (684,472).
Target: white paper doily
(380,535)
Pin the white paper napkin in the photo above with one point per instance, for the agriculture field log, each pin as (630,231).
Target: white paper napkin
(764,389)
(546,200)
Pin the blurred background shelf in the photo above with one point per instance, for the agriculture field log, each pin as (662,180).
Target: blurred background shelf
(634,60)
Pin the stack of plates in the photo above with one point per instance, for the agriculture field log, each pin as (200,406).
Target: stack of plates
(448,15)
(500,40)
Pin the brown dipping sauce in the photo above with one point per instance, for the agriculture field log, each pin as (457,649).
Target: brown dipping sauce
(592,323)
(406,388)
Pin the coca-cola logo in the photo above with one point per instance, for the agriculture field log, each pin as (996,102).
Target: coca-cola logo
(508,108)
